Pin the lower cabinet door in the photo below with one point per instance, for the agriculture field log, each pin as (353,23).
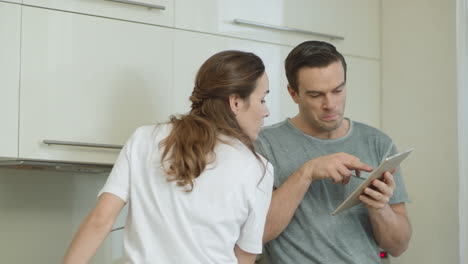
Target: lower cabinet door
(90,80)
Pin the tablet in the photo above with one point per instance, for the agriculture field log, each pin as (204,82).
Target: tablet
(388,164)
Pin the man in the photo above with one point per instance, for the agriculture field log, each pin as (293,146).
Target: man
(315,151)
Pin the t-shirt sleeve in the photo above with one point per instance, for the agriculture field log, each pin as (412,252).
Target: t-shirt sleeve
(118,182)
(400,194)
(251,235)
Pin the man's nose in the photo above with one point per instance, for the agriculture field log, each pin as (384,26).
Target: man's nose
(328,102)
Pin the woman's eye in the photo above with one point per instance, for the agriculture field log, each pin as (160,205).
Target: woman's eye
(263,101)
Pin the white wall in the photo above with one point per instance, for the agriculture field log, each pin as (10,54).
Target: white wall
(40,211)
(419,110)
(462,56)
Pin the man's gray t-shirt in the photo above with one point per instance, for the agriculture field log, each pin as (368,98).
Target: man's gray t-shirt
(314,235)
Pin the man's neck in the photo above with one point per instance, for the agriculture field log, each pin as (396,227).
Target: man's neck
(306,128)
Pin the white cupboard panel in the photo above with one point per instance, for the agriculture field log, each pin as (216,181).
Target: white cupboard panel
(289,108)
(357,21)
(187,61)
(137,11)
(10,28)
(363,91)
(89,79)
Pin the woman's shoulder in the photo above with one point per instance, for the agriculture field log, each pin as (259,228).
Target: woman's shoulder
(235,153)
(152,131)
(144,136)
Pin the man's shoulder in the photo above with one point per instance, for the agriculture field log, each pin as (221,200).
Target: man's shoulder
(368,130)
(273,137)
(275,129)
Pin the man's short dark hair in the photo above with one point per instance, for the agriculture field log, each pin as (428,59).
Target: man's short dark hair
(311,54)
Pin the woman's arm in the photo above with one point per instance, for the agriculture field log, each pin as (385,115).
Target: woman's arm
(244,257)
(94,229)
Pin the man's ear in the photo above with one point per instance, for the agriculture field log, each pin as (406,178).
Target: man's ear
(235,102)
(294,95)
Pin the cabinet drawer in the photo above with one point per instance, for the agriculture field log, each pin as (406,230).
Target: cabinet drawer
(10,28)
(157,12)
(91,80)
(292,21)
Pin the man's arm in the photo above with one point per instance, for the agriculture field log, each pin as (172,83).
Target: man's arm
(390,223)
(284,202)
(287,197)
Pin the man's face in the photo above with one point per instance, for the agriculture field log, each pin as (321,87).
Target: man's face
(321,97)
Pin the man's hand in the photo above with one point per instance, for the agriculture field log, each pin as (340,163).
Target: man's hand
(378,196)
(390,223)
(336,166)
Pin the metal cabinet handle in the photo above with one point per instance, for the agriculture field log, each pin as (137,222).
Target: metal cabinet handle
(288,29)
(117,228)
(160,7)
(81,144)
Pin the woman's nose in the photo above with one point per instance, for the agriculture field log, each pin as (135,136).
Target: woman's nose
(267,112)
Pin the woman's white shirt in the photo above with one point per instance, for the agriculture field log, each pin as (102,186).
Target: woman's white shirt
(165,224)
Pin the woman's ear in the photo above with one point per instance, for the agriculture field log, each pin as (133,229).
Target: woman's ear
(235,102)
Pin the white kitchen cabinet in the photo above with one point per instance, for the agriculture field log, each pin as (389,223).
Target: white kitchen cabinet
(136,10)
(187,61)
(288,107)
(358,21)
(363,84)
(89,79)
(10,29)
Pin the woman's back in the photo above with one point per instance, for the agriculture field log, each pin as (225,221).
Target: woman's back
(194,195)
(168,224)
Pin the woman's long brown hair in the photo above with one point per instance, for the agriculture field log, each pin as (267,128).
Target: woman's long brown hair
(191,142)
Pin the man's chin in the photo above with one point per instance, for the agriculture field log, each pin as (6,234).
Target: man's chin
(331,126)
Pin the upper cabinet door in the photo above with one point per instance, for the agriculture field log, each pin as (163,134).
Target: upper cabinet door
(187,61)
(90,80)
(288,22)
(10,26)
(157,12)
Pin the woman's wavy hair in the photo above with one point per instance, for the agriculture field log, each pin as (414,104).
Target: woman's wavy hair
(191,142)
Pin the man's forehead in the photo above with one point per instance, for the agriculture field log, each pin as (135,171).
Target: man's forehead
(319,78)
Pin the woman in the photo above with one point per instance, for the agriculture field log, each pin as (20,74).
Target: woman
(197,191)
